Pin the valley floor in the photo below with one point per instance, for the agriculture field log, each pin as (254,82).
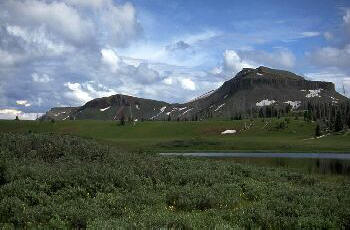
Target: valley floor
(162,136)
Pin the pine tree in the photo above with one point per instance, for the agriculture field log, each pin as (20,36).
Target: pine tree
(338,126)
(318,130)
(122,120)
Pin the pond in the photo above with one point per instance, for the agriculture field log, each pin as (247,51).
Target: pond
(320,163)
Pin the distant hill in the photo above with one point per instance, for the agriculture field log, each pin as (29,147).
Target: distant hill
(250,91)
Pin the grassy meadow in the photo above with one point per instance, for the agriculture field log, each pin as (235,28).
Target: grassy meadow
(163,136)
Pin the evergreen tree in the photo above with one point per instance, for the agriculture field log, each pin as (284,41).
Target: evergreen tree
(261,113)
(122,120)
(17,119)
(338,126)
(305,115)
(169,117)
(318,130)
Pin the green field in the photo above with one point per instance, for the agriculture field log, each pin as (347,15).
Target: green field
(163,136)
(50,181)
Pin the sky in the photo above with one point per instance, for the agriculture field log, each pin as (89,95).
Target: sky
(64,53)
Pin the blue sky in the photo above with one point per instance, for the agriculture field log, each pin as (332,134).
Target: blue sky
(64,53)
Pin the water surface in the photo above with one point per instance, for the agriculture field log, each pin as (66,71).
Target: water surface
(320,163)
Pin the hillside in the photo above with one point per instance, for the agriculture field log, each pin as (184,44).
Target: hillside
(247,93)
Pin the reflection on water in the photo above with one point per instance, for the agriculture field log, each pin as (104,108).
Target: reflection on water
(321,163)
(320,166)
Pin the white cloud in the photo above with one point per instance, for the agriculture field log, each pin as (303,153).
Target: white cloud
(111,59)
(120,23)
(39,38)
(233,62)
(12,113)
(281,58)
(42,78)
(82,93)
(187,83)
(168,81)
(77,92)
(146,75)
(198,37)
(185,50)
(331,56)
(8,59)
(23,102)
(87,3)
(56,17)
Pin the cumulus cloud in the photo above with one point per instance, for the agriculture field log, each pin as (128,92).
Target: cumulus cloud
(56,17)
(86,3)
(23,102)
(121,23)
(336,56)
(280,58)
(187,83)
(65,45)
(110,58)
(168,81)
(87,91)
(145,74)
(331,56)
(233,63)
(12,113)
(186,50)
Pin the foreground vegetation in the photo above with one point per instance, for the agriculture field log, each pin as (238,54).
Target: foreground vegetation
(60,181)
(268,134)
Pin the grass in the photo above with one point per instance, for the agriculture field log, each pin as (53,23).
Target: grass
(54,181)
(193,136)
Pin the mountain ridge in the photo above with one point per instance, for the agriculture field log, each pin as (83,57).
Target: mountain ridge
(246,93)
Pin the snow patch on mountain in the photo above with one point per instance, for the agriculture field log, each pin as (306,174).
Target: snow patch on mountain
(186,111)
(265,102)
(219,107)
(207,94)
(229,131)
(294,104)
(104,109)
(313,93)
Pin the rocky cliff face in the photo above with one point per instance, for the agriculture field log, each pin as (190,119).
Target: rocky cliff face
(249,90)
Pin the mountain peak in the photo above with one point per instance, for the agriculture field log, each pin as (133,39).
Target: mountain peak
(265,72)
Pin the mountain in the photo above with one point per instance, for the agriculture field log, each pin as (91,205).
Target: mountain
(247,93)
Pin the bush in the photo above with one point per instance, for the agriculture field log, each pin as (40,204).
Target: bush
(53,181)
